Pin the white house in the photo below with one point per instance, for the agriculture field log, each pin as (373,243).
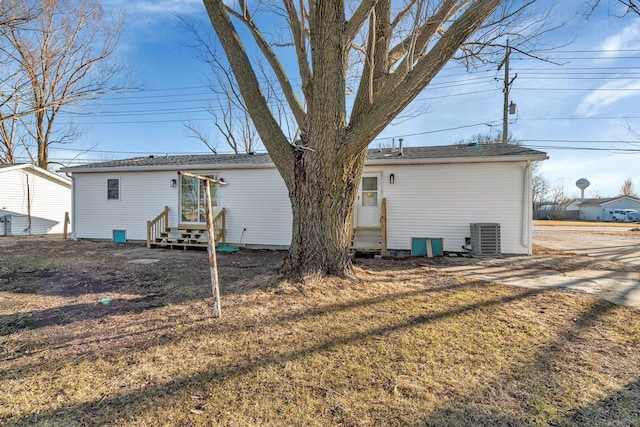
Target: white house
(427,192)
(32,200)
(602,209)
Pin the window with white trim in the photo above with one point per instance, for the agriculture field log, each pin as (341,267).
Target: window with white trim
(192,198)
(113,189)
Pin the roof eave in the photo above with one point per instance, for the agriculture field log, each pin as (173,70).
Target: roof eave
(615,199)
(40,171)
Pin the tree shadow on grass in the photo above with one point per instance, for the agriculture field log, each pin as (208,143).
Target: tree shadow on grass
(152,335)
(539,386)
(58,316)
(104,410)
(621,408)
(136,401)
(74,282)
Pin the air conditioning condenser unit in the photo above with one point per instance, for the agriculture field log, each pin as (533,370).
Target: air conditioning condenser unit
(485,239)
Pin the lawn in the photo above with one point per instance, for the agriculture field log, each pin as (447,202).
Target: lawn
(102,334)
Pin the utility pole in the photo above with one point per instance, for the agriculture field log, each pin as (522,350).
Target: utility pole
(506,108)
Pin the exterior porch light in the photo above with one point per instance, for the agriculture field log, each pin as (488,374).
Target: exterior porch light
(392,178)
(174,183)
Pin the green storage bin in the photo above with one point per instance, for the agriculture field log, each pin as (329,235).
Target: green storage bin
(427,246)
(120,236)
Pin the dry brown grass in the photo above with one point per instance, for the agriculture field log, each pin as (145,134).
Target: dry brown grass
(404,345)
(553,223)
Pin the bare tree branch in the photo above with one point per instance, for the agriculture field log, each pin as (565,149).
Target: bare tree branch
(272,136)
(294,102)
(398,93)
(299,33)
(357,20)
(64,61)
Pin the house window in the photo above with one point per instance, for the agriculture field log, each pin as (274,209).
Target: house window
(113,189)
(192,199)
(370,191)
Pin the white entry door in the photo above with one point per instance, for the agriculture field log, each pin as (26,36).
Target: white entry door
(369,200)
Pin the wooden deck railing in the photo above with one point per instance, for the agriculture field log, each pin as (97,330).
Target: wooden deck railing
(219,225)
(157,225)
(383,227)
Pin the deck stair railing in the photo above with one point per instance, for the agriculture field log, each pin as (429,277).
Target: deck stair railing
(157,226)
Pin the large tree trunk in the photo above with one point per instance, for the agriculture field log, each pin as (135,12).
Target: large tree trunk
(322,203)
(325,178)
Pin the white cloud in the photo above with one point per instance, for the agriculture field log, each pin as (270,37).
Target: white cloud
(608,94)
(151,13)
(628,38)
(157,6)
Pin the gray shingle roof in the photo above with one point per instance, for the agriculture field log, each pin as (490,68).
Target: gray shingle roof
(184,160)
(408,153)
(603,201)
(458,150)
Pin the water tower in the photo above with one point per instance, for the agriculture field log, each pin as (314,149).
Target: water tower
(582,184)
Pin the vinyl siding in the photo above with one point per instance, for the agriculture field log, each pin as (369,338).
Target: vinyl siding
(49,202)
(594,213)
(442,200)
(255,199)
(437,200)
(143,195)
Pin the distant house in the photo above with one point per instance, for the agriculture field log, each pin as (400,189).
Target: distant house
(412,192)
(32,200)
(601,209)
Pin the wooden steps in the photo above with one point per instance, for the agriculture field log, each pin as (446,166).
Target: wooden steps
(161,235)
(366,240)
(184,236)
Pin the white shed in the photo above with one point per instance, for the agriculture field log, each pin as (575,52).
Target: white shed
(425,192)
(32,200)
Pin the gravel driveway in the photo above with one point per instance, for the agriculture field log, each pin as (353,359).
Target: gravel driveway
(602,243)
(600,261)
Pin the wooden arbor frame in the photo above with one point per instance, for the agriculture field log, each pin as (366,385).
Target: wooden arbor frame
(211,245)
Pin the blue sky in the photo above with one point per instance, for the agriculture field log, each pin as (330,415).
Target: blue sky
(577,110)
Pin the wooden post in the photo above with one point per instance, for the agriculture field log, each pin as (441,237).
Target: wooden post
(211,248)
(383,227)
(211,245)
(66,224)
(223,227)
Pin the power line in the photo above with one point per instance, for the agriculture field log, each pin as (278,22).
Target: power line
(84,150)
(578,118)
(622,89)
